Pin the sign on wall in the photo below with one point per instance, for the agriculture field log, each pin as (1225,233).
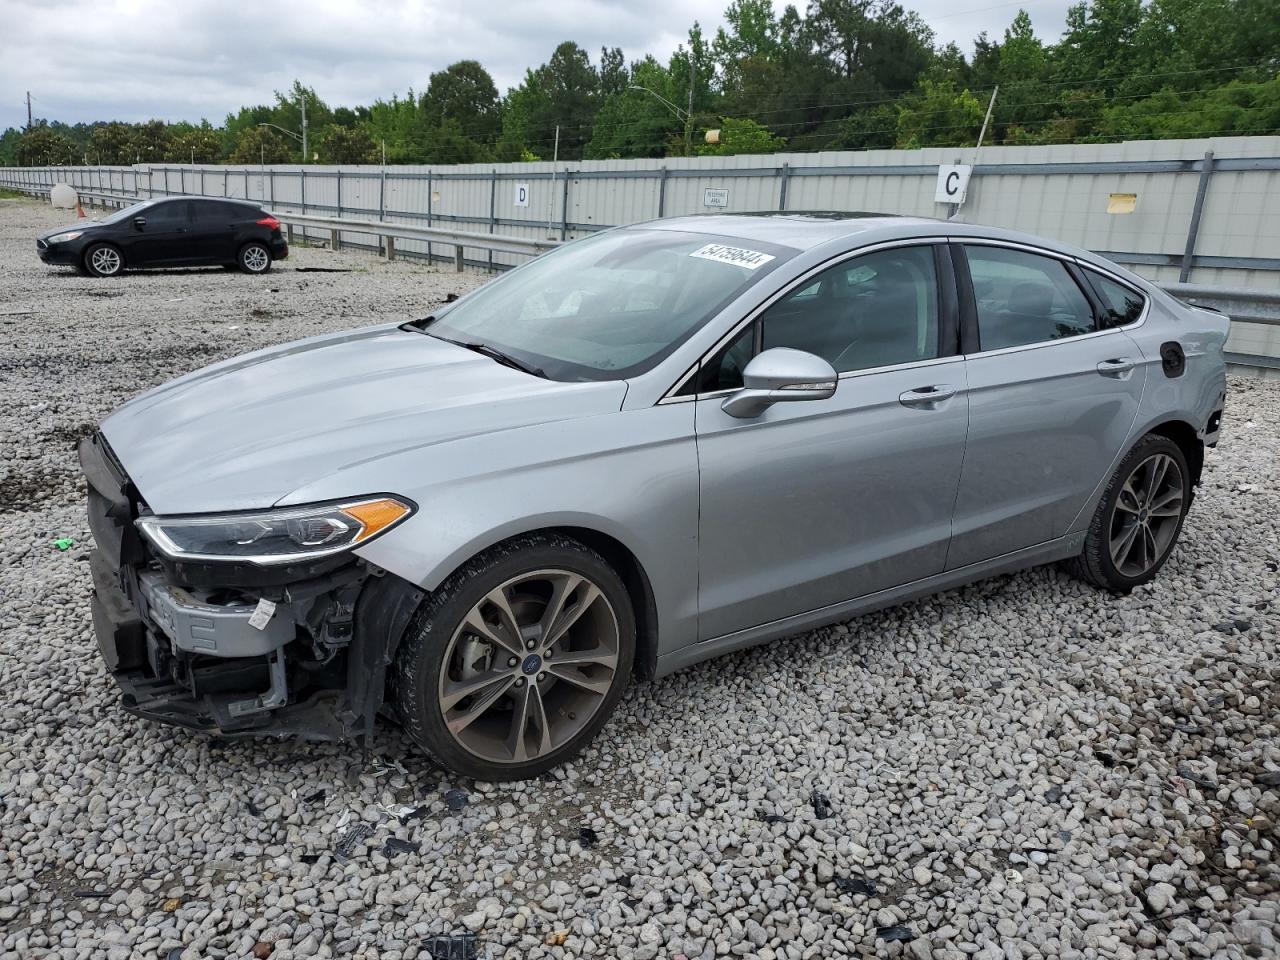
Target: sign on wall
(715,197)
(522,194)
(953,181)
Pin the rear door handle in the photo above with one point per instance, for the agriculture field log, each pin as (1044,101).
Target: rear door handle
(1119,367)
(927,397)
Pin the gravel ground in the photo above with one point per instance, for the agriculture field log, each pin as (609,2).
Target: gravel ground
(1026,767)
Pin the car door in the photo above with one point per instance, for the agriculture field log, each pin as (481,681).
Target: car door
(213,230)
(815,502)
(160,234)
(1053,393)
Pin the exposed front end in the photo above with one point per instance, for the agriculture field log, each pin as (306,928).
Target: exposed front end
(233,645)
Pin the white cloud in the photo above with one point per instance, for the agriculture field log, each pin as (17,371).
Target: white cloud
(191,59)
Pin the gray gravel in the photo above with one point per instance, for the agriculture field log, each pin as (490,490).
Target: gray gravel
(1026,767)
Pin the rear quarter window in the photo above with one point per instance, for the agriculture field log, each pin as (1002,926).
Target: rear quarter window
(1121,305)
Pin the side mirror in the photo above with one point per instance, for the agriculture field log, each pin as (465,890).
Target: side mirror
(139,222)
(777,376)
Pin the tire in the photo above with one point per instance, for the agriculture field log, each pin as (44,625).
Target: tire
(103,260)
(559,678)
(1131,512)
(254,258)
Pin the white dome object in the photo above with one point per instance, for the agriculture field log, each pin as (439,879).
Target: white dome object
(64,197)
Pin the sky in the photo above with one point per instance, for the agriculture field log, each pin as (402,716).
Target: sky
(131,60)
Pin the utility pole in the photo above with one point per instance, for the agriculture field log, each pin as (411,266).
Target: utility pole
(688,120)
(305,156)
(28,109)
(551,194)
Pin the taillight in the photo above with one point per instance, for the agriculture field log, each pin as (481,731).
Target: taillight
(270,222)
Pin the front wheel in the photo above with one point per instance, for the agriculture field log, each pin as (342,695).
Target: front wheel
(254,258)
(517,660)
(1139,517)
(103,260)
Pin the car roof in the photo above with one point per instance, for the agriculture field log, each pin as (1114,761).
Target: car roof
(799,229)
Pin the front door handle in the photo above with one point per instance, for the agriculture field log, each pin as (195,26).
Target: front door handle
(927,397)
(1119,368)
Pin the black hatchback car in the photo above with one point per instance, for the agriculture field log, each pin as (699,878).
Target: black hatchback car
(169,232)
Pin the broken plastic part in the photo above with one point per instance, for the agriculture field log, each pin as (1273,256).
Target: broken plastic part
(455,799)
(461,946)
(905,934)
(354,836)
(275,696)
(395,845)
(821,805)
(857,885)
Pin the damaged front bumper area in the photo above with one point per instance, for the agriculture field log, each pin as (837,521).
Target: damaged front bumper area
(237,648)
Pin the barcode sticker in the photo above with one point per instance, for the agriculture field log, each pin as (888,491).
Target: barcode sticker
(262,614)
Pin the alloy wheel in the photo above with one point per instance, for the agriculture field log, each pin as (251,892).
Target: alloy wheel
(105,260)
(529,666)
(1146,515)
(255,259)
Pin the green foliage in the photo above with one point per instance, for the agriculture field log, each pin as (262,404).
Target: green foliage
(339,144)
(42,146)
(831,74)
(742,136)
(260,145)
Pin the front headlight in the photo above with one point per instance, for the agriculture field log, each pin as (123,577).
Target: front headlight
(286,535)
(64,237)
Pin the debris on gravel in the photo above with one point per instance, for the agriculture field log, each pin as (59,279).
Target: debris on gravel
(1027,767)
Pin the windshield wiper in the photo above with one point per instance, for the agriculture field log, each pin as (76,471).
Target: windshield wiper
(494,353)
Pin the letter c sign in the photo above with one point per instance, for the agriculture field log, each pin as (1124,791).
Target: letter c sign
(953,181)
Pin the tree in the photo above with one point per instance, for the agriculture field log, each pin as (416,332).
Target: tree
(150,142)
(347,145)
(198,145)
(111,143)
(41,146)
(939,116)
(564,93)
(742,136)
(260,145)
(464,92)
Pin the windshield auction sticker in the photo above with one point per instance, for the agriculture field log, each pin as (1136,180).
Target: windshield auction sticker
(738,256)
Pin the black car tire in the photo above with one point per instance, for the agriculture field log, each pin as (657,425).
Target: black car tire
(254,258)
(103,260)
(414,680)
(1096,563)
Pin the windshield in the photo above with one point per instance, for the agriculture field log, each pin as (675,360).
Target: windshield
(127,212)
(610,306)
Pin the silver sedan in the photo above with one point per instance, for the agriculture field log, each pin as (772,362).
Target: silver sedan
(652,446)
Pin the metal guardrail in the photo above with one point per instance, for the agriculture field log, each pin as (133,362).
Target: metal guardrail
(387,231)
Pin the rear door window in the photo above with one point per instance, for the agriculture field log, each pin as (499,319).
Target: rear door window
(1025,298)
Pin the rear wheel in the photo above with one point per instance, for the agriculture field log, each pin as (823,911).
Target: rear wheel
(103,260)
(1139,517)
(254,258)
(517,661)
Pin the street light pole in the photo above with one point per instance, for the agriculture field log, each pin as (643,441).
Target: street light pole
(305,155)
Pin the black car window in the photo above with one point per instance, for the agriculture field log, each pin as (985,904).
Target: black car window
(1025,298)
(1120,304)
(876,310)
(872,311)
(169,213)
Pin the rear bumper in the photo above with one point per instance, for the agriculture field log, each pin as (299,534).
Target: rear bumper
(183,651)
(279,249)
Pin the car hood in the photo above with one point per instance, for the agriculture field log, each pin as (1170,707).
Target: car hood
(74,225)
(243,433)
